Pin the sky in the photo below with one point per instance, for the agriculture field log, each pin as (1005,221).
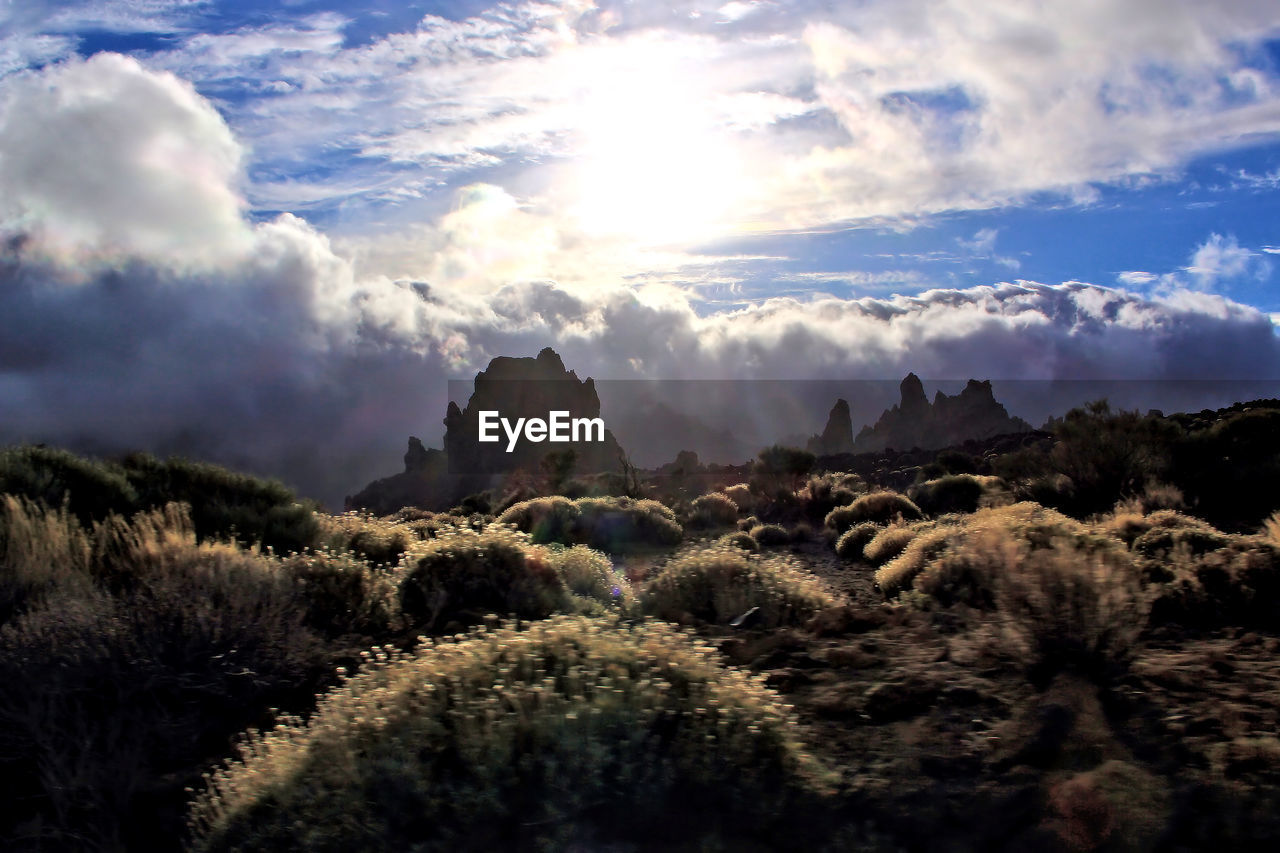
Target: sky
(268,233)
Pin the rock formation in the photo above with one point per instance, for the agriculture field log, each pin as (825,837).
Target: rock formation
(526,388)
(515,388)
(837,436)
(974,413)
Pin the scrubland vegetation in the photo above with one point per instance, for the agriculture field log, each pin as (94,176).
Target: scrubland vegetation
(1071,646)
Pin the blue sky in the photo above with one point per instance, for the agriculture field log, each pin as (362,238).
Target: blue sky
(333,196)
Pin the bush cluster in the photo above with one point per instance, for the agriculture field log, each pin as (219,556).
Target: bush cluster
(570,733)
(880,507)
(611,524)
(720,583)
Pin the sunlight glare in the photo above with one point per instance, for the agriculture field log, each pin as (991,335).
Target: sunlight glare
(653,167)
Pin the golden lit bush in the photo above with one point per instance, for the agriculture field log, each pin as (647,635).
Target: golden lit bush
(380,541)
(956,573)
(1068,607)
(713,510)
(41,552)
(824,492)
(720,583)
(1167,529)
(880,507)
(462,575)
(889,543)
(742,496)
(551,519)
(590,575)
(851,543)
(609,524)
(569,734)
(617,524)
(770,535)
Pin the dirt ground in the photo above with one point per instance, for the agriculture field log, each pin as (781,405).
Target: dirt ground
(943,745)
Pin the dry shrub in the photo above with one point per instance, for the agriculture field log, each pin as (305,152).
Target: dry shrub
(720,583)
(951,493)
(851,543)
(1168,529)
(824,492)
(380,541)
(463,576)
(344,594)
(113,693)
(742,496)
(1236,585)
(591,576)
(880,507)
(1067,607)
(713,510)
(611,524)
(954,573)
(889,543)
(566,735)
(740,539)
(922,549)
(770,535)
(41,552)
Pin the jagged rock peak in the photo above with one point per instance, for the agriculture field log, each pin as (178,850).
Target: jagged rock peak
(415,458)
(912,390)
(837,436)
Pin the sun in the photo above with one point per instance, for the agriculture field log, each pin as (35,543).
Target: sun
(653,164)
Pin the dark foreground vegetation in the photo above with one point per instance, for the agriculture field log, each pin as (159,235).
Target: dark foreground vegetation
(1068,644)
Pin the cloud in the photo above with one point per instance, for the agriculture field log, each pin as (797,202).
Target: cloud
(291,356)
(102,157)
(1222,259)
(866,111)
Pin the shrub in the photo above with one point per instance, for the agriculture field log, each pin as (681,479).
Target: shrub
(746,524)
(713,510)
(1237,585)
(464,576)
(379,541)
(606,524)
(825,492)
(1067,608)
(880,507)
(344,594)
(721,583)
(627,524)
(1167,529)
(113,700)
(770,535)
(740,539)
(90,488)
(952,493)
(741,495)
(41,551)
(956,563)
(566,735)
(551,519)
(897,574)
(888,543)
(225,503)
(589,574)
(850,544)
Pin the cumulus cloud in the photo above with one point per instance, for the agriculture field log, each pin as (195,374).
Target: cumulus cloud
(288,356)
(102,157)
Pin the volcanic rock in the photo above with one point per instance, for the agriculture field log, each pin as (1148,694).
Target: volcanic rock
(973,414)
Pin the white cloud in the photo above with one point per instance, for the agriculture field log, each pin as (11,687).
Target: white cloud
(1222,259)
(102,158)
